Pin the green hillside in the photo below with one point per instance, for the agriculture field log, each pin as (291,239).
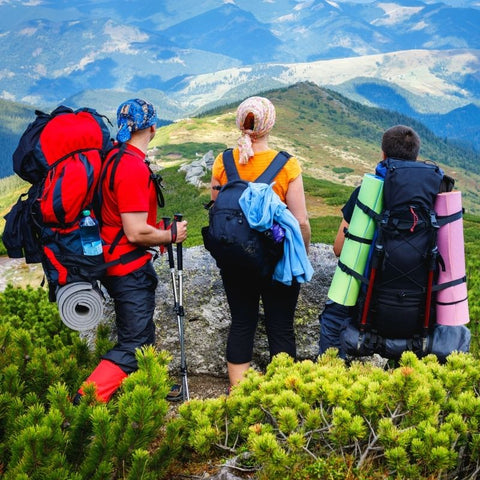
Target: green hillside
(14,117)
(334,138)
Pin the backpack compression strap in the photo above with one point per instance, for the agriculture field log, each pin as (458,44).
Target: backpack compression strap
(266,177)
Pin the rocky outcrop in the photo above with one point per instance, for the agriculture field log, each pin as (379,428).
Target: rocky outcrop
(207,316)
(196,170)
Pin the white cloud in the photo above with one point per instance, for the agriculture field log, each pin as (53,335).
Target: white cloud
(28,3)
(301,30)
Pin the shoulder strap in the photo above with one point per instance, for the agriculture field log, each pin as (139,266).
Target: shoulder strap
(274,168)
(229,165)
(98,198)
(266,177)
(116,159)
(157,179)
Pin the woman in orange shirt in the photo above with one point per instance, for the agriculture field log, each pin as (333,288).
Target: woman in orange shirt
(255,118)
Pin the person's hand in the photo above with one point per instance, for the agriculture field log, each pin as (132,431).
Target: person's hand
(181,232)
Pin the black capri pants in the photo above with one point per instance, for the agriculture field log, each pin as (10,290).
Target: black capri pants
(244,292)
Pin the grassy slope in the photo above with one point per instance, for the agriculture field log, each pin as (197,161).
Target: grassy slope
(334,138)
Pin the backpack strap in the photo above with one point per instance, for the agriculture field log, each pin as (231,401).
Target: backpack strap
(444,219)
(229,165)
(157,179)
(281,158)
(116,160)
(349,271)
(371,213)
(122,259)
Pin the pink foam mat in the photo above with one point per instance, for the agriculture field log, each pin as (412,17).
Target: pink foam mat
(451,248)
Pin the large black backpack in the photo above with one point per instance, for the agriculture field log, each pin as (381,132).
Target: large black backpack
(229,238)
(398,301)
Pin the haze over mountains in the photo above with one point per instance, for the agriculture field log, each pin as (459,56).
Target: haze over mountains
(421,58)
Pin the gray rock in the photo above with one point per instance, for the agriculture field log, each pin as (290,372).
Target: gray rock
(207,317)
(232,466)
(197,169)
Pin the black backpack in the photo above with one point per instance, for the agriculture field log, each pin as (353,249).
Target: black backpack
(398,300)
(229,238)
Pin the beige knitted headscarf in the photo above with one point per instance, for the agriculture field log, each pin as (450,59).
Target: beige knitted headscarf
(263,112)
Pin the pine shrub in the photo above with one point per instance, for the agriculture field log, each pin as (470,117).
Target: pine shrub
(42,434)
(298,420)
(324,419)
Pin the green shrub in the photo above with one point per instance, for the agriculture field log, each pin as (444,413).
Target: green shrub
(42,434)
(417,421)
(342,170)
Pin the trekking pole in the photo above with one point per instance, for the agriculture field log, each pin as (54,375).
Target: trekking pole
(428,300)
(180,315)
(377,255)
(171,263)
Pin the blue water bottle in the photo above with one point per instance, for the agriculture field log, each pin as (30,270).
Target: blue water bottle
(90,235)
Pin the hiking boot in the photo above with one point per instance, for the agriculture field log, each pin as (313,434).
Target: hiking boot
(175,394)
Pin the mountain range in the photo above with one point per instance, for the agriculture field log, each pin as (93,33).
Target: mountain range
(419,58)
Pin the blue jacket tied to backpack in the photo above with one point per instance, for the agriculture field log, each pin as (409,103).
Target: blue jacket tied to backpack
(262,207)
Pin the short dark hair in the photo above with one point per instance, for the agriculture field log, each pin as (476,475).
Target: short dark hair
(401,142)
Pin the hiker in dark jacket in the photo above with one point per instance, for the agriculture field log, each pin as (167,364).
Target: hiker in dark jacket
(400,142)
(129,221)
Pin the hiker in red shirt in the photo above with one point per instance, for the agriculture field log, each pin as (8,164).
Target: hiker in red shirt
(129,219)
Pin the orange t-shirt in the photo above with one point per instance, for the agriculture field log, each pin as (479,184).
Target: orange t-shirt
(256,166)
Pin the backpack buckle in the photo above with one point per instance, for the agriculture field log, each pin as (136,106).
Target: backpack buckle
(433,219)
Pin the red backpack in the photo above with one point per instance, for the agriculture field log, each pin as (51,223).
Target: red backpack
(61,155)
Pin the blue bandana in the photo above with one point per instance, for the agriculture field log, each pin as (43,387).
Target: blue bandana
(133,115)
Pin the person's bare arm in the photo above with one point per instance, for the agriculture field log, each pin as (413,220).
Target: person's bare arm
(295,200)
(139,232)
(340,238)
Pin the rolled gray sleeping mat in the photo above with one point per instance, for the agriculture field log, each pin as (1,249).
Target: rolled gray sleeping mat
(80,305)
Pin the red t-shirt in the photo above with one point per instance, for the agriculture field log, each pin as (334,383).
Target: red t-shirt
(133,191)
